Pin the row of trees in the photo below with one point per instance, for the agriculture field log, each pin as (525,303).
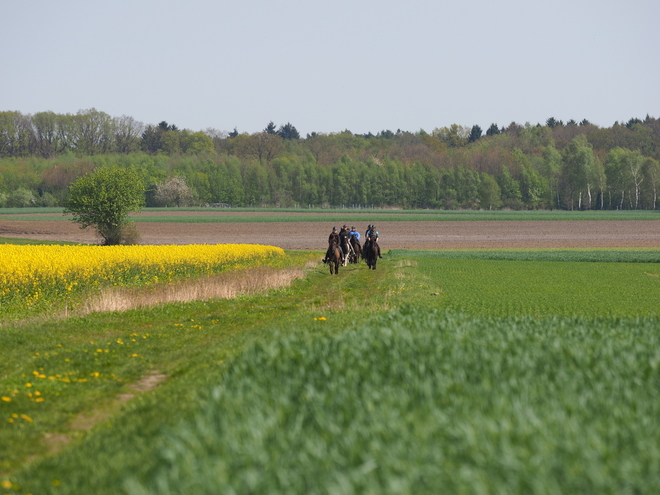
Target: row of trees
(91,132)
(556,165)
(572,179)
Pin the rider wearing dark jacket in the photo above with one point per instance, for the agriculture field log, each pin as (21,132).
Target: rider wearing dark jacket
(371,237)
(333,237)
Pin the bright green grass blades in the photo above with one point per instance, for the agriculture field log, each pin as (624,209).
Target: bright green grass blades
(428,402)
(604,255)
(544,288)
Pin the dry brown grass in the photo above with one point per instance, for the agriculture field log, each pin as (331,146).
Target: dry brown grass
(221,286)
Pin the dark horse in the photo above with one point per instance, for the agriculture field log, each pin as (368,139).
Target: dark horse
(357,251)
(371,253)
(333,258)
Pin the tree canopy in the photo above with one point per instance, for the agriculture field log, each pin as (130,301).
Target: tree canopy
(103,198)
(551,165)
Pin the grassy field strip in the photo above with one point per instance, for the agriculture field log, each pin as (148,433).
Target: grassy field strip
(475,375)
(546,288)
(233,215)
(25,242)
(602,255)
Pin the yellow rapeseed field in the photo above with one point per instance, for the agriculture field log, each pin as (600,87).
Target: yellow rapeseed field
(33,274)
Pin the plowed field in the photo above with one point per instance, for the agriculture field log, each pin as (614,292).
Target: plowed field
(394,234)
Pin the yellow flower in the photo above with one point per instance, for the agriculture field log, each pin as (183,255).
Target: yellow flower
(6,484)
(26,418)
(6,399)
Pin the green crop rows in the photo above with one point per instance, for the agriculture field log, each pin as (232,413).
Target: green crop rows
(428,402)
(518,372)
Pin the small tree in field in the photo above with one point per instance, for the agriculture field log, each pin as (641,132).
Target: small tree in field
(174,192)
(103,199)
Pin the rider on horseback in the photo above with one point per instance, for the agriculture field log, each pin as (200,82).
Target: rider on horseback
(355,236)
(344,241)
(371,237)
(333,238)
(374,238)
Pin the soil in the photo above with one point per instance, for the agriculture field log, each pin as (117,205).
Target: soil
(393,235)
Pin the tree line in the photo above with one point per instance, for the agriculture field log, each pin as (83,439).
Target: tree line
(544,166)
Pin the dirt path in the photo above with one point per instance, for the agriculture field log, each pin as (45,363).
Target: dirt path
(393,235)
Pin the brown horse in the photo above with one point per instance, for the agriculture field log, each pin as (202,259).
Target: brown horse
(357,251)
(333,258)
(372,253)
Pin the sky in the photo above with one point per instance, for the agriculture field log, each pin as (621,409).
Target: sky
(329,66)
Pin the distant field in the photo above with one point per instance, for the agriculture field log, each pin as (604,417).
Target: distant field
(252,215)
(399,229)
(538,284)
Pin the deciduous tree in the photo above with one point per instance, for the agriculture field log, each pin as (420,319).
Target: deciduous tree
(579,170)
(103,199)
(173,192)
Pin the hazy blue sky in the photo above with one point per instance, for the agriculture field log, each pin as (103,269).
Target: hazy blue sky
(327,66)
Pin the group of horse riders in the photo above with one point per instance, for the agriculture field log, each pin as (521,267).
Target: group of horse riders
(348,240)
